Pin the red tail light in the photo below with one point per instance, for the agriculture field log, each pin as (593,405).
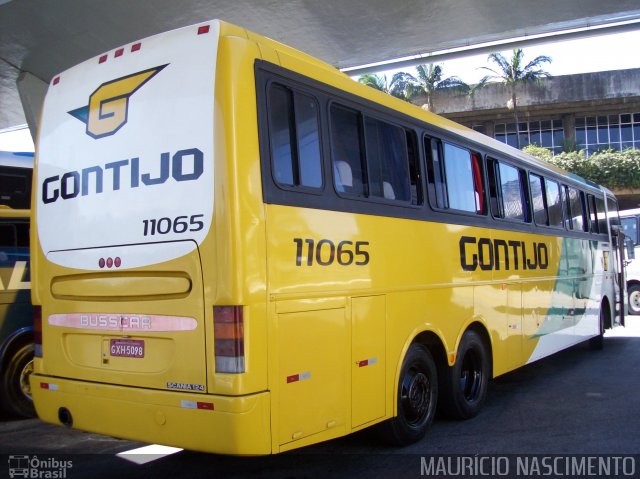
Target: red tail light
(228,332)
(37,330)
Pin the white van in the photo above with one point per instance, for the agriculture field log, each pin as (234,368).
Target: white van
(631,227)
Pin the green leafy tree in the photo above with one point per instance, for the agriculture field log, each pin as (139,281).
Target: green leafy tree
(514,71)
(610,168)
(429,80)
(396,87)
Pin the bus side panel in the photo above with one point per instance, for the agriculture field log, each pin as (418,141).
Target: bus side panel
(368,361)
(573,299)
(312,376)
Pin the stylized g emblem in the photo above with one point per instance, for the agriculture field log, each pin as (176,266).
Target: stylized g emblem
(108,107)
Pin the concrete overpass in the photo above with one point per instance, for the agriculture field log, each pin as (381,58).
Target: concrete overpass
(40,38)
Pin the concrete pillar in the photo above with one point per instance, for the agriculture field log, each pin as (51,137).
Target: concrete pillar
(32,91)
(569,126)
(489,128)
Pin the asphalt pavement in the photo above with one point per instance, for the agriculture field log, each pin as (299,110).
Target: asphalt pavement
(577,402)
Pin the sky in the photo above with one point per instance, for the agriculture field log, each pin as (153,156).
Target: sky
(616,51)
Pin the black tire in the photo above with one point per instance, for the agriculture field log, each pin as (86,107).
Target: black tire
(417,398)
(15,391)
(634,299)
(597,343)
(464,385)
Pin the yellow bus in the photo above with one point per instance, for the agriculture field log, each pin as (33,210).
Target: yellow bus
(241,250)
(16,314)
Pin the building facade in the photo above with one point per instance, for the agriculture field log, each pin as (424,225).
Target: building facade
(591,111)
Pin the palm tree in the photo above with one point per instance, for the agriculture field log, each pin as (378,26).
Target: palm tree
(430,79)
(515,72)
(396,87)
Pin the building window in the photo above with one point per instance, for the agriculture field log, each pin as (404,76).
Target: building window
(618,132)
(546,133)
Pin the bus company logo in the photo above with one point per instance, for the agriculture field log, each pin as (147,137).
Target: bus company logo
(108,107)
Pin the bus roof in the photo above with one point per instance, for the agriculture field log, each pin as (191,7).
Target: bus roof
(631,212)
(16,159)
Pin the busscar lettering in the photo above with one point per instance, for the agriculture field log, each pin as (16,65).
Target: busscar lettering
(184,165)
(107,321)
(496,254)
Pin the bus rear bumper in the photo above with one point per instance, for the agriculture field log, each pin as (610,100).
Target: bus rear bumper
(201,422)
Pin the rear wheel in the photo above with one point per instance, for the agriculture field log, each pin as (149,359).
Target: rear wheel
(634,299)
(417,398)
(464,386)
(15,392)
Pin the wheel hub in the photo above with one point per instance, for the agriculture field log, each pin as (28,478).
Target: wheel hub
(634,301)
(471,376)
(25,386)
(415,396)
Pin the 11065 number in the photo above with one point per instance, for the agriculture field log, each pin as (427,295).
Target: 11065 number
(179,224)
(325,252)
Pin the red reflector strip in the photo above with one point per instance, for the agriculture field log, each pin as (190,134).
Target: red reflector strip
(208,406)
(135,47)
(203,29)
(367,362)
(119,52)
(56,80)
(49,386)
(103,59)
(298,377)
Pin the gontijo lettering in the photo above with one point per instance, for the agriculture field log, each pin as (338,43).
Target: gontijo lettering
(491,254)
(184,165)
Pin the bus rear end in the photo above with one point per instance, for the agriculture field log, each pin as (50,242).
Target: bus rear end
(123,268)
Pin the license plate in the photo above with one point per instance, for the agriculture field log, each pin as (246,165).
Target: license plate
(127,348)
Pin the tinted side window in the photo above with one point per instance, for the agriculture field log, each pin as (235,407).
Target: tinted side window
(14,234)
(575,209)
(8,235)
(295,139)
(537,199)
(600,213)
(457,177)
(612,209)
(387,160)
(593,219)
(435,172)
(373,158)
(349,174)
(554,203)
(630,228)
(15,186)
(508,200)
